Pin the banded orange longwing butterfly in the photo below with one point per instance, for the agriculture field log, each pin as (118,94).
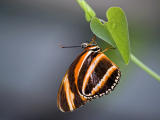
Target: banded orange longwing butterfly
(92,74)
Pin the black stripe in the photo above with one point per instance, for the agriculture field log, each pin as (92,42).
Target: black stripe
(77,101)
(84,69)
(63,100)
(98,73)
(109,83)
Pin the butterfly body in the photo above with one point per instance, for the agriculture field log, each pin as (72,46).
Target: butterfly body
(92,74)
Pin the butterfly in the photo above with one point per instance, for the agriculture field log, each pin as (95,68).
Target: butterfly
(92,74)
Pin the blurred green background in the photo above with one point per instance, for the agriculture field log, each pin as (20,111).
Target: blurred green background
(33,65)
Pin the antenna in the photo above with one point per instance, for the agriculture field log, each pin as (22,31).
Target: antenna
(68,46)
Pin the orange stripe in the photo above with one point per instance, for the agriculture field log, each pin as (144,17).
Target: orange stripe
(91,47)
(104,80)
(78,68)
(59,91)
(69,95)
(58,98)
(90,70)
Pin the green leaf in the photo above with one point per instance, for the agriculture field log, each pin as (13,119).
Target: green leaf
(101,31)
(118,28)
(89,12)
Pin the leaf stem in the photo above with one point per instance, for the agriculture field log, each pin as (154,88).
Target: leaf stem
(145,68)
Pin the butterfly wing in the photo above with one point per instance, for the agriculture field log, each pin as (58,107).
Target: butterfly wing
(69,97)
(91,74)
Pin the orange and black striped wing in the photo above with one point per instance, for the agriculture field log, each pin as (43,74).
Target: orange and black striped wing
(91,74)
(99,77)
(69,97)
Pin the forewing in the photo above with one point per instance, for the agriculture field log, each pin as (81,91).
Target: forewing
(69,97)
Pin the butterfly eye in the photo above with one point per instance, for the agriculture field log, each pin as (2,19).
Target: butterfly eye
(84,45)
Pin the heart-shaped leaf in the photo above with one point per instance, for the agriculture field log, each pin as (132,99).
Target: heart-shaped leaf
(100,30)
(89,12)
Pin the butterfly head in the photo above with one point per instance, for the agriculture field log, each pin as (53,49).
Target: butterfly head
(93,47)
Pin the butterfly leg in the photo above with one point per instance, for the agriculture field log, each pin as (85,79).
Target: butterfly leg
(108,49)
(93,40)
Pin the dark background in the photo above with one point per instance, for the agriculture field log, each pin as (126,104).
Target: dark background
(32,65)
